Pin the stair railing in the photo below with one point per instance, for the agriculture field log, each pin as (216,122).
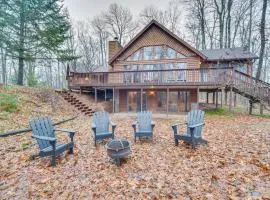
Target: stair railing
(258,89)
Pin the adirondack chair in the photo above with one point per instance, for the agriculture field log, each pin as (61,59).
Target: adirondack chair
(195,122)
(44,133)
(144,124)
(100,126)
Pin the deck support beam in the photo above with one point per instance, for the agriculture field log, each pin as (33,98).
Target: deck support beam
(198,96)
(230,106)
(113,100)
(207,97)
(168,90)
(250,107)
(141,99)
(221,97)
(226,97)
(217,99)
(261,109)
(95,95)
(234,99)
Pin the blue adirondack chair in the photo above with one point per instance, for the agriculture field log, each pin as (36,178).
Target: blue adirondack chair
(100,126)
(195,122)
(44,132)
(143,126)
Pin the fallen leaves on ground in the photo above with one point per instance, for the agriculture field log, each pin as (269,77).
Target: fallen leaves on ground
(234,165)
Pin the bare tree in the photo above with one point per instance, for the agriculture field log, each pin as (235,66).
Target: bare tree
(220,9)
(228,23)
(120,22)
(99,27)
(169,17)
(262,34)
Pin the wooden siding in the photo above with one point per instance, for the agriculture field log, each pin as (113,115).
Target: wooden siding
(156,36)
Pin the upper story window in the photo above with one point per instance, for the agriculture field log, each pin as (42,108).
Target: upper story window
(147,53)
(158,52)
(155,53)
(171,53)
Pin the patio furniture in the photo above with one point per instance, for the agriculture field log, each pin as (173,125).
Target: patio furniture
(44,133)
(118,149)
(195,122)
(144,125)
(100,126)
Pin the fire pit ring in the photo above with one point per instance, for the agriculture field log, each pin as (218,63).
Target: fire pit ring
(118,149)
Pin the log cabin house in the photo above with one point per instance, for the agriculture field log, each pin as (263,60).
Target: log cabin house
(160,72)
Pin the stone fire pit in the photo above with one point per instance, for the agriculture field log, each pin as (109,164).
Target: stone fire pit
(118,149)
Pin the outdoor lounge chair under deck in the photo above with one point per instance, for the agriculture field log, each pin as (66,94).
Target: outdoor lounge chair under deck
(100,126)
(145,125)
(195,122)
(44,133)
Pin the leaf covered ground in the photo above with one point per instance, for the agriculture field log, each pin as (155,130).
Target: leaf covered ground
(234,165)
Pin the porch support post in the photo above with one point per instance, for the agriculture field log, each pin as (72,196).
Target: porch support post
(207,97)
(234,99)
(95,95)
(230,106)
(80,90)
(113,100)
(186,102)
(261,109)
(213,97)
(198,96)
(226,97)
(105,95)
(250,107)
(221,97)
(217,99)
(167,101)
(141,99)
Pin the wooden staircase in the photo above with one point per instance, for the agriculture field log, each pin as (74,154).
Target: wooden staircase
(76,102)
(256,91)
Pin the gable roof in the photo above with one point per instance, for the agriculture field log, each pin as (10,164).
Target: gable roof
(155,23)
(239,53)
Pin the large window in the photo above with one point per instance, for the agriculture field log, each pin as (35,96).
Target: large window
(158,52)
(147,53)
(155,53)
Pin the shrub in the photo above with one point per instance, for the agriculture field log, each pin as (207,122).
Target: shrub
(8,102)
(219,112)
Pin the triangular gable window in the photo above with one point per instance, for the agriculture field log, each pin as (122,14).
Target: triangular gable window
(155,53)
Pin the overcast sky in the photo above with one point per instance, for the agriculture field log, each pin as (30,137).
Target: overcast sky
(87,9)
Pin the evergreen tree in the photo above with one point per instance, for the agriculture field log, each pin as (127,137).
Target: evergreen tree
(31,29)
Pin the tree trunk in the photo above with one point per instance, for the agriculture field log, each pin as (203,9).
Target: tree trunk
(21,47)
(230,3)
(4,68)
(262,33)
(250,23)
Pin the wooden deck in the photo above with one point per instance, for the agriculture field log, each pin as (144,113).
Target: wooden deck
(210,77)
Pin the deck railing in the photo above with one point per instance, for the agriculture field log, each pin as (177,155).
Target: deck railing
(209,76)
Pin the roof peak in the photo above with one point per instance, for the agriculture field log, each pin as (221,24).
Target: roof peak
(167,31)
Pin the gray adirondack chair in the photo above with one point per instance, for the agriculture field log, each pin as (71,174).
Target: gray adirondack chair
(100,126)
(44,132)
(143,126)
(195,122)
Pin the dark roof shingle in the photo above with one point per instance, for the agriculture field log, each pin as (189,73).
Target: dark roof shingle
(239,53)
